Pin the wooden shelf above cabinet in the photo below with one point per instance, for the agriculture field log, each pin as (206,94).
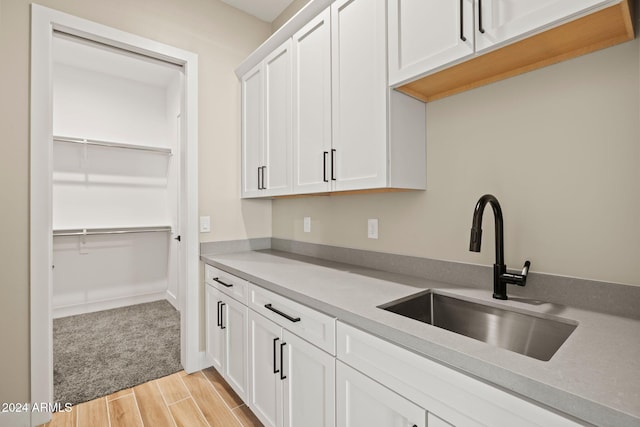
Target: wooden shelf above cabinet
(598,30)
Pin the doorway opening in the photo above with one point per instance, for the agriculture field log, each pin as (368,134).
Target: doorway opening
(113,185)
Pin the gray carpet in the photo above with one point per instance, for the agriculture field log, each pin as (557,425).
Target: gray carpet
(96,354)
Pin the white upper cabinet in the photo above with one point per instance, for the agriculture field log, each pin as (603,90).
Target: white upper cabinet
(277,151)
(329,117)
(312,105)
(252,130)
(441,47)
(427,35)
(266,126)
(379,135)
(349,132)
(423,35)
(501,20)
(359,95)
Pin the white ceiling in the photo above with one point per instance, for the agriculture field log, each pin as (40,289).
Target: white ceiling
(266,10)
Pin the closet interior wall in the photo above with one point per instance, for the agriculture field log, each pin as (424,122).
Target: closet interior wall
(116,171)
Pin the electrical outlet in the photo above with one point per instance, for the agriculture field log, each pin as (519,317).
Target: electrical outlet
(307,224)
(372,228)
(205,224)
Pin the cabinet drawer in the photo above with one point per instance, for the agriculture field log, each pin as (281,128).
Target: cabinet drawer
(229,284)
(445,393)
(315,327)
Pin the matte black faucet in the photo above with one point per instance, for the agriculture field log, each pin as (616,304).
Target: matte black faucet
(500,275)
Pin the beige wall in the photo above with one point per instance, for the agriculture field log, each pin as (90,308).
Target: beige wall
(559,147)
(222,37)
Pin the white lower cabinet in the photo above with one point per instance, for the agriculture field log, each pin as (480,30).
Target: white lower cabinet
(292,382)
(215,335)
(226,347)
(265,390)
(362,402)
(449,397)
(309,389)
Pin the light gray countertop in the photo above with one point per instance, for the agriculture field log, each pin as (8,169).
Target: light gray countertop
(594,376)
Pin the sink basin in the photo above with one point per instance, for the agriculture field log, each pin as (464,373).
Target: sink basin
(528,334)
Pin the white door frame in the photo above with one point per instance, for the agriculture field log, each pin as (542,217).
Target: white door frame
(43,22)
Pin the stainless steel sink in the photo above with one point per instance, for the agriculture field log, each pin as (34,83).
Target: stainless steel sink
(528,334)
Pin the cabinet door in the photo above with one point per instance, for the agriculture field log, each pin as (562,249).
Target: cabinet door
(215,335)
(309,386)
(277,148)
(265,385)
(252,131)
(235,323)
(359,94)
(362,402)
(425,35)
(312,105)
(501,20)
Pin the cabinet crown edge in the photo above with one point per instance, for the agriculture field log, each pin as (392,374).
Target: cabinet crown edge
(307,13)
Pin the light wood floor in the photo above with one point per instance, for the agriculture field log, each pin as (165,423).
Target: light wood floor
(202,399)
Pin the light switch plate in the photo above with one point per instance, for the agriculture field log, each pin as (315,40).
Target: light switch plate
(307,224)
(205,224)
(372,228)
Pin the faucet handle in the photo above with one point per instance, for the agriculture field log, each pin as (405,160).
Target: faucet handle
(525,269)
(515,278)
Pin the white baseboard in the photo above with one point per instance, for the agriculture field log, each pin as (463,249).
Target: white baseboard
(90,307)
(200,364)
(172,300)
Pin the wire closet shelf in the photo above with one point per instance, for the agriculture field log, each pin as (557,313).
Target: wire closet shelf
(107,231)
(112,144)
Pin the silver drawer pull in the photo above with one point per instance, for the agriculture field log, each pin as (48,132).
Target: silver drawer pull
(285,315)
